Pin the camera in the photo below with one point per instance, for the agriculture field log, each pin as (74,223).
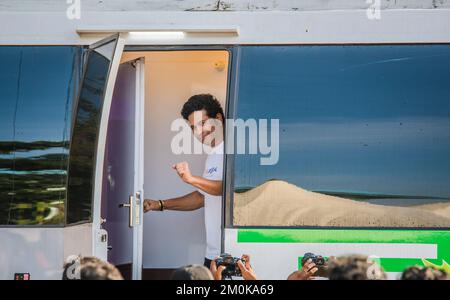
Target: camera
(230,264)
(317,259)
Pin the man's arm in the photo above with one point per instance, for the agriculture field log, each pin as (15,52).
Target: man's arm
(212,187)
(191,201)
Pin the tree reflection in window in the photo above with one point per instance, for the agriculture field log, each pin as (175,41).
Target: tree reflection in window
(37,88)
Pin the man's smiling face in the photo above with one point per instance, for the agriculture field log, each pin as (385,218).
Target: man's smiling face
(206,129)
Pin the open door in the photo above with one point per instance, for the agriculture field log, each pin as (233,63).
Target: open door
(113,205)
(123,171)
(115,208)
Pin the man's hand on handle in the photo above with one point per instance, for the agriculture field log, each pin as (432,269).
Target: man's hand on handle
(191,201)
(150,204)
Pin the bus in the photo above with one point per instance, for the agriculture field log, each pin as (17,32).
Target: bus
(363,141)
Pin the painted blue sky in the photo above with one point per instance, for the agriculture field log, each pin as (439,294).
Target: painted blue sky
(352,118)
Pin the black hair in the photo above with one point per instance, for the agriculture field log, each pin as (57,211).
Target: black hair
(192,272)
(202,101)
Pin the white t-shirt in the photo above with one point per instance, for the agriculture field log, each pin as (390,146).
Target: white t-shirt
(213,204)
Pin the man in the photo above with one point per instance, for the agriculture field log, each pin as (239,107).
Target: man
(206,118)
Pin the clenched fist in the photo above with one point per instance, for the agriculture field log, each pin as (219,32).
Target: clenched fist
(183,171)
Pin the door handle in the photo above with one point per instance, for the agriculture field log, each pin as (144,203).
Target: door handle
(130,207)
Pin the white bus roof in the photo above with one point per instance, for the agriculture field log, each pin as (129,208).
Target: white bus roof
(50,22)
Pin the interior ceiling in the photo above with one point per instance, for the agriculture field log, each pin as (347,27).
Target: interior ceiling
(174,56)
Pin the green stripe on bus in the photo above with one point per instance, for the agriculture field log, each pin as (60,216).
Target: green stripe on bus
(441,238)
(343,236)
(399,264)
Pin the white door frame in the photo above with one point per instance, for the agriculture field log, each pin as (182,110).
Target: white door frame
(139,169)
(99,240)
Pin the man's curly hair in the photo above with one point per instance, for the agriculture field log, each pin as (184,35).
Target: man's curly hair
(202,101)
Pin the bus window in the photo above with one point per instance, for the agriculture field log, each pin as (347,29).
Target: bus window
(364,136)
(37,86)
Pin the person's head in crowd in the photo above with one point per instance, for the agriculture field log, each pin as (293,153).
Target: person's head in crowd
(355,267)
(424,273)
(192,272)
(90,268)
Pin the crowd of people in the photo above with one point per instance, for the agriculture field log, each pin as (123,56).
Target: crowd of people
(352,267)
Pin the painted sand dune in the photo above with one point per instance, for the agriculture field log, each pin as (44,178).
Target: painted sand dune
(278,203)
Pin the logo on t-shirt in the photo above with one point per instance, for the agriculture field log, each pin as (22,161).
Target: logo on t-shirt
(212,170)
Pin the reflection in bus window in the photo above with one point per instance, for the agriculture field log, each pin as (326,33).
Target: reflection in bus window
(364,136)
(85,134)
(37,87)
